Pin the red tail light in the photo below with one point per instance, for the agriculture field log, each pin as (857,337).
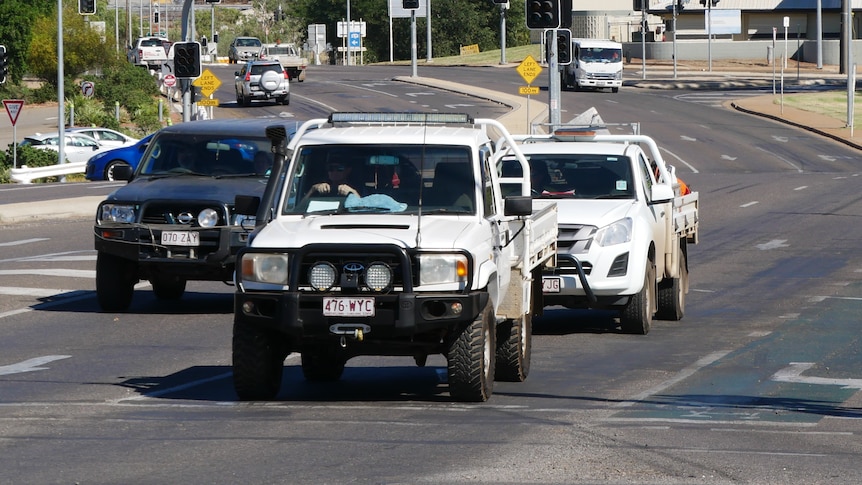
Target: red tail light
(248,76)
(287,75)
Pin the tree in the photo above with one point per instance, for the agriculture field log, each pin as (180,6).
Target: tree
(83,48)
(16,17)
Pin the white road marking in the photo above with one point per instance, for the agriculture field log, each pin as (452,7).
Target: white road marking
(23,241)
(801,187)
(749,204)
(30,365)
(683,374)
(71,273)
(728,157)
(793,373)
(774,244)
(680,160)
(38,292)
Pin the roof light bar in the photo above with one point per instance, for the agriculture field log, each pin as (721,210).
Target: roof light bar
(422,118)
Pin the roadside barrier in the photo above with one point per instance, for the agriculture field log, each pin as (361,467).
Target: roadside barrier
(26,175)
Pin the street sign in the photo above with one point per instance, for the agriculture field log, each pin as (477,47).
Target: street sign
(170,80)
(354,39)
(208,102)
(207,82)
(527,90)
(87,89)
(529,69)
(13,109)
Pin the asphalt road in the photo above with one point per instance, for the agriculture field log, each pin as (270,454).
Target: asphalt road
(759,383)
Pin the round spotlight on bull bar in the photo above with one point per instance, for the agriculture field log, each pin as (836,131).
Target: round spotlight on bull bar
(378,276)
(322,276)
(207,218)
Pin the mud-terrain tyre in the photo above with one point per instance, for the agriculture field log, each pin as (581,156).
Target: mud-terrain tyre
(322,364)
(168,287)
(636,316)
(671,293)
(471,359)
(514,348)
(115,282)
(258,363)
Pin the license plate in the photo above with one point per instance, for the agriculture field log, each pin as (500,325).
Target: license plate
(550,285)
(181,238)
(348,306)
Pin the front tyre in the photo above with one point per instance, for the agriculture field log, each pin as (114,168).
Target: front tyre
(471,359)
(258,363)
(636,316)
(115,282)
(109,169)
(322,363)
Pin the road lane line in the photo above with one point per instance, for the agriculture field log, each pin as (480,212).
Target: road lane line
(681,375)
(23,241)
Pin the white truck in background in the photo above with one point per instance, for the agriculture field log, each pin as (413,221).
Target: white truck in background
(150,52)
(595,64)
(413,251)
(624,223)
(289,57)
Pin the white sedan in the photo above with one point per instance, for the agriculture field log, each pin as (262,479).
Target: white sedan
(105,136)
(78,148)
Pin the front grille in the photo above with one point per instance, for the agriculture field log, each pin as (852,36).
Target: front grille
(177,212)
(574,238)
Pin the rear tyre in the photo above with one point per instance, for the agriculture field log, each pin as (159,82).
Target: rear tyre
(258,363)
(671,293)
(514,347)
(322,364)
(471,359)
(167,287)
(115,282)
(636,316)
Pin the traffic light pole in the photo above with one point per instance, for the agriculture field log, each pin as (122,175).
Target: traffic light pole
(553,78)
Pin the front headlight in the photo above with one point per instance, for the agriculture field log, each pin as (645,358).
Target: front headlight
(264,268)
(117,213)
(617,233)
(208,218)
(442,268)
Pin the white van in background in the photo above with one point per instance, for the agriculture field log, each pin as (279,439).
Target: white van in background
(595,64)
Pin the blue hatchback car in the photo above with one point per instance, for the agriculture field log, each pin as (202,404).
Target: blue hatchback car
(101,166)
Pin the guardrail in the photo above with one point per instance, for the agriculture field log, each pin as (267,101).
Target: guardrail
(26,175)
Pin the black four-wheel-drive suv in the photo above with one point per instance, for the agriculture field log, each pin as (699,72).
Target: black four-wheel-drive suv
(175,219)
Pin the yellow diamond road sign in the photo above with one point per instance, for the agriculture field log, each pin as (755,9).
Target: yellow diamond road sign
(207,82)
(529,69)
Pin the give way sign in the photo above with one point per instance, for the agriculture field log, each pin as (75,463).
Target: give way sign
(13,109)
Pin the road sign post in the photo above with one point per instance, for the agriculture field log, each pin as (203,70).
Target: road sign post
(529,69)
(13,109)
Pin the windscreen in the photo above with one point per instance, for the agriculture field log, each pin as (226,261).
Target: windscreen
(599,54)
(572,176)
(381,179)
(207,155)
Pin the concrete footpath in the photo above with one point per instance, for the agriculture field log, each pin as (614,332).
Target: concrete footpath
(723,76)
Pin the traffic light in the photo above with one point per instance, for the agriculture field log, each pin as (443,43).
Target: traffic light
(409,4)
(156,17)
(4,63)
(187,59)
(86,7)
(639,5)
(564,47)
(543,14)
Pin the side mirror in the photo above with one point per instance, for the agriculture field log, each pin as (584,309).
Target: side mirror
(123,172)
(661,193)
(518,205)
(246,205)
